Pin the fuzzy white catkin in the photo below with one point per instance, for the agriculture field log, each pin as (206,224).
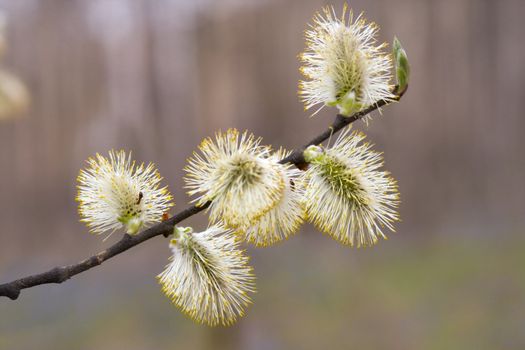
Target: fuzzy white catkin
(237,174)
(208,277)
(115,193)
(346,194)
(343,63)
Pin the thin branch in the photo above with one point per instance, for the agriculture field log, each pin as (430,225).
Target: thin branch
(165,228)
(339,123)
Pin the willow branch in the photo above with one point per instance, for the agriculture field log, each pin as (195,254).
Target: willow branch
(63,273)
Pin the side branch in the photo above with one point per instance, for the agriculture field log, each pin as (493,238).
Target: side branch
(63,273)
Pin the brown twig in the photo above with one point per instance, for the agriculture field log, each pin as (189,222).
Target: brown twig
(165,228)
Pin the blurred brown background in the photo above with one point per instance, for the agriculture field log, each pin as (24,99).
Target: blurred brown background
(157,76)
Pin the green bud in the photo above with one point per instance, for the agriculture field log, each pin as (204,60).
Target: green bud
(348,104)
(180,233)
(402,66)
(312,153)
(133,225)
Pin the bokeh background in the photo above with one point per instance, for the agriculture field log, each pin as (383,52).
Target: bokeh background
(155,77)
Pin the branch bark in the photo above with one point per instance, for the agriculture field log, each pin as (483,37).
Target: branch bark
(63,273)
